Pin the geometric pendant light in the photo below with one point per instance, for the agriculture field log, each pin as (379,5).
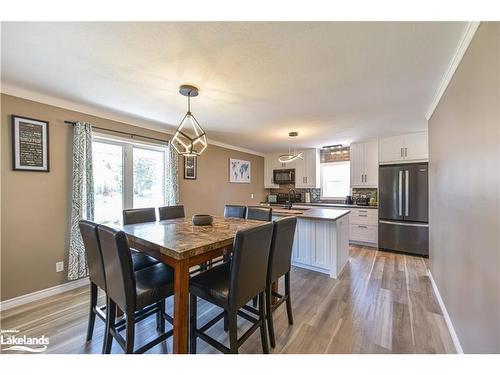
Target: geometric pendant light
(189,139)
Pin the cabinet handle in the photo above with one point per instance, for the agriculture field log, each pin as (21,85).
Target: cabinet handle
(362,226)
(406,152)
(363,215)
(362,211)
(401,151)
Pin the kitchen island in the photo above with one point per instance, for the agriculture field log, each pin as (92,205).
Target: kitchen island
(321,238)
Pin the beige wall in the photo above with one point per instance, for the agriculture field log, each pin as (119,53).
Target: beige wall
(35,207)
(464,142)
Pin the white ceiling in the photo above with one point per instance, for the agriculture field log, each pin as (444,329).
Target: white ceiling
(333,82)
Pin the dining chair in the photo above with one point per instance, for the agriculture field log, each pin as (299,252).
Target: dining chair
(230,285)
(171,212)
(231,210)
(95,263)
(280,262)
(139,294)
(259,213)
(137,216)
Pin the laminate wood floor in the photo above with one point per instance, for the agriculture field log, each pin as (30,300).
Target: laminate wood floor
(382,303)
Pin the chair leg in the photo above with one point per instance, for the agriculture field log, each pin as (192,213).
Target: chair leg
(161,322)
(254,302)
(262,318)
(288,298)
(269,314)
(93,304)
(226,322)
(233,331)
(129,342)
(193,323)
(110,323)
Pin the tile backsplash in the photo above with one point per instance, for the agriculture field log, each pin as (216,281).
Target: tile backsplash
(316,193)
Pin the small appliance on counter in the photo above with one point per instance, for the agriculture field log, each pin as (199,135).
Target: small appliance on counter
(272,198)
(362,201)
(307,197)
(348,200)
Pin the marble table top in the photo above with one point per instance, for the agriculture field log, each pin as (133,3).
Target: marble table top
(180,239)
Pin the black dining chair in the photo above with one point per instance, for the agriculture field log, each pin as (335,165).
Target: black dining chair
(138,216)
(259,213)
(171,212)
(139,294)
(231,285)
(231,210)
(95,263)
(280,262)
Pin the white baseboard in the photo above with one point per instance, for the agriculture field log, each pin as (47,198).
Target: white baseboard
(447,319)
(35,296)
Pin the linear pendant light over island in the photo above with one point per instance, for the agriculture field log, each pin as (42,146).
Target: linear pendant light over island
(189,139)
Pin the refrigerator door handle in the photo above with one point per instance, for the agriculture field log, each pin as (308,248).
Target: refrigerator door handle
(407,192)
(400,191)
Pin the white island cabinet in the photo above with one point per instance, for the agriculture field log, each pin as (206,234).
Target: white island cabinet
(321,240)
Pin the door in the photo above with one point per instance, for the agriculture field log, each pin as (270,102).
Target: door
(390,192)
(404,237)
(357,164)
(391,149)
(371,163)
(416,192)
(416,146)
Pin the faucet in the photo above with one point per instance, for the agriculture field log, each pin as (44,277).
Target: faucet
(289,198)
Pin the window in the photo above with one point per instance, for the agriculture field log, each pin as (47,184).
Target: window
(335,180)
(126,175)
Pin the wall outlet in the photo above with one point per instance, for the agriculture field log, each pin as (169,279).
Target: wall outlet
(251,196)
(59,266)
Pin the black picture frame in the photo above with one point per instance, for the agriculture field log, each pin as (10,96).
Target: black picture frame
(35,153)
(190,167)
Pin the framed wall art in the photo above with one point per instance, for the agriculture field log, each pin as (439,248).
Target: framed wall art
(30,144)
(240,171)
(190,167)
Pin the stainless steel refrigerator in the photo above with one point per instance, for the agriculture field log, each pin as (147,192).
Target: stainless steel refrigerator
(404,208)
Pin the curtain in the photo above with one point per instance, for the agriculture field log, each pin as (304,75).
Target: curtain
(82,199)
(172,177)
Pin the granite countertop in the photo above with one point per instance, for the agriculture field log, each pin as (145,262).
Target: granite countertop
(180,239)
(312,213)
(319,204)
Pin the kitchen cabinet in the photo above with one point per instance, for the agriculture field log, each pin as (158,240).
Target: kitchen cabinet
(270,163)
(307,171)
(364,164)
(363,226)
(408,148)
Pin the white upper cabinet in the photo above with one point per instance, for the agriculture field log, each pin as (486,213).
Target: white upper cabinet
(307,170)
(404,148)
(270,163)
(364,164)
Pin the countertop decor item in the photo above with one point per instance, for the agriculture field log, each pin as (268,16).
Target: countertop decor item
(189,138)
(287,158)
(202,219)
(30,144)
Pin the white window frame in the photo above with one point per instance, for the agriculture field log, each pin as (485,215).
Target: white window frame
(128,163)
(322,165)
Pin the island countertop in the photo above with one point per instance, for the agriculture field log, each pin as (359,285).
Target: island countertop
(312,213)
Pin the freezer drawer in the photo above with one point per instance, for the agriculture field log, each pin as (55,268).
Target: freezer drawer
(405,237)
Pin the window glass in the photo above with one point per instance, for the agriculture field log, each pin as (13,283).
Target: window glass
(335,180)
(149,189)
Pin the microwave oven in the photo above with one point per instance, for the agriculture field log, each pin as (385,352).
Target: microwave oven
(284,176)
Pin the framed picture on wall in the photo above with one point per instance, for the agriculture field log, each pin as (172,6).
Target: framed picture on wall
(240,171)
(190,167)
(30,144)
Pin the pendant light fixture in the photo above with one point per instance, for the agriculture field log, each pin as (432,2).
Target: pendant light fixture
(287,158)
(189,139)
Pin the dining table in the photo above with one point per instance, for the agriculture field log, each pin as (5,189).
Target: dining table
(182,245)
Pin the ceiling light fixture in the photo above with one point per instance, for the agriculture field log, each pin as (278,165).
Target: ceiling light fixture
(287,158)
(189,139)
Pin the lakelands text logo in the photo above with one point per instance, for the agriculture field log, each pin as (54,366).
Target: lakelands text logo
(12,341)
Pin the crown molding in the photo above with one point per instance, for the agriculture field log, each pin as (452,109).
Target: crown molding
(106,114)
(462,46)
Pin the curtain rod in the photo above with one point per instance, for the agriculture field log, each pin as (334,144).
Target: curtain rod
(132,135)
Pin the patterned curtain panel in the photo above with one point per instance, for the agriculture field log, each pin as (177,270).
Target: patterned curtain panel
(172,177)
(82,201)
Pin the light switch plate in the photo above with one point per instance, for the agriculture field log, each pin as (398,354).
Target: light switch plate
(59,266)
(251,196)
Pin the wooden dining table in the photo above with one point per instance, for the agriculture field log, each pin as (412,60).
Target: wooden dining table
(182,245)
